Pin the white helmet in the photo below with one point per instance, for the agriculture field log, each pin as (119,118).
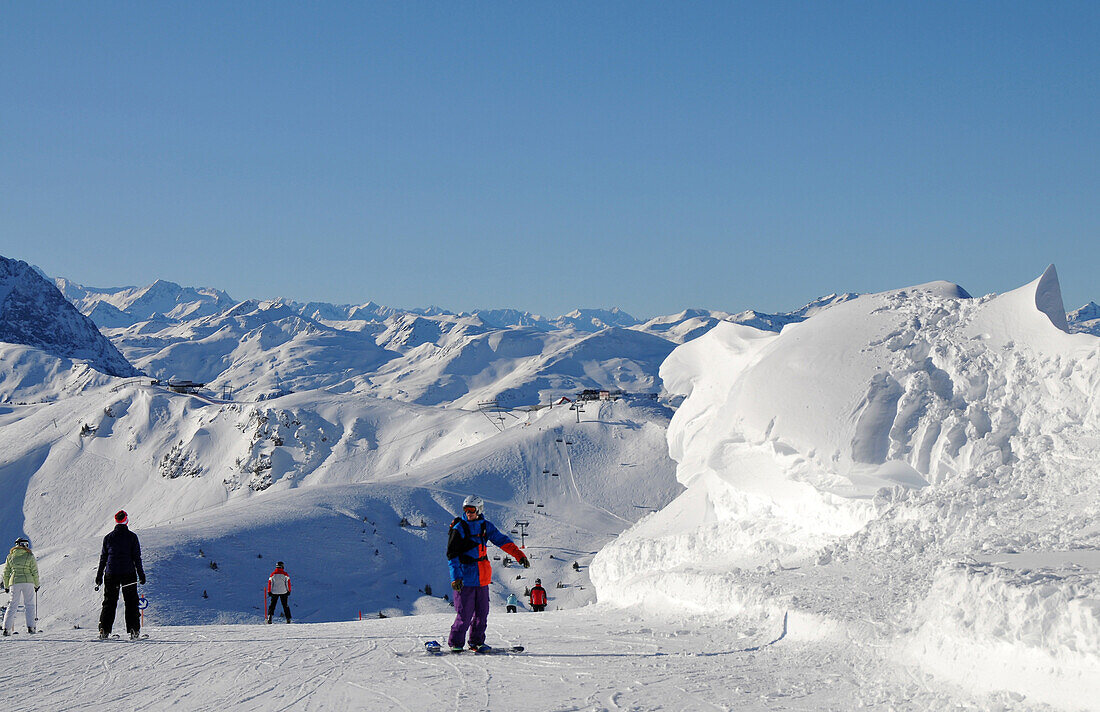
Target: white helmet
(475,502)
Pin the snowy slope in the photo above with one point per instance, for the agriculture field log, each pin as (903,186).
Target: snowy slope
(321,481)
(919,435)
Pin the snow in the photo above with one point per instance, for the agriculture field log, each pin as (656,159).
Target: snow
(912,430)
(885,501)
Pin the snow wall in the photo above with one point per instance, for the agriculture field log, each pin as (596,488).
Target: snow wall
(920,424)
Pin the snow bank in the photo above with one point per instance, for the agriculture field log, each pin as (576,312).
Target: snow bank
(918,425)
(1033,632)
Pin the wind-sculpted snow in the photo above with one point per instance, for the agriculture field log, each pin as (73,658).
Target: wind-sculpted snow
(912,426)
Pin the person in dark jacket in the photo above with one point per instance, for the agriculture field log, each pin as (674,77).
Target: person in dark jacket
(120,570)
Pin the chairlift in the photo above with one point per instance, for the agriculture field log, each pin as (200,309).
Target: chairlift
(554,475)
(568,442)
(558,440)
(540,504)
(530,501)
(496,558)
(545,471)
(515,531)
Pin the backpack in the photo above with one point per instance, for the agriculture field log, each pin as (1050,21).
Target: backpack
(459,543)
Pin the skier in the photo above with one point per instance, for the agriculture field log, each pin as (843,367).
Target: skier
(538,597)
(120,569)
(278,588)
(471,572)
(21,577)
(512,603)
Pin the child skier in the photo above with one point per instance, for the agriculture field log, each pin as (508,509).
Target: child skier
(471,572)
(278,588)
(512,603)
(21,578)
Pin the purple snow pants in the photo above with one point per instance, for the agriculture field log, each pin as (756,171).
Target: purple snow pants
(471,612)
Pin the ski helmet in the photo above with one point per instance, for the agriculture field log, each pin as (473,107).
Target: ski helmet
(23,541)
(121,517)
(278,564)
(475,502)
(538,582)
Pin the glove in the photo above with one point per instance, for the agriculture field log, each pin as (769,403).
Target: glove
(525,562)
(98,583)
(97,587)
(141,580)
(456,584)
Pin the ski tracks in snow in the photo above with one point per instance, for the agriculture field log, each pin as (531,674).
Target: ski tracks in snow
(595,658)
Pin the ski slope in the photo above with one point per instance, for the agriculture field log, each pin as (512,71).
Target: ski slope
(594,658)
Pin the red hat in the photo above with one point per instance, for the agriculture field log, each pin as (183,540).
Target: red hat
(121,517)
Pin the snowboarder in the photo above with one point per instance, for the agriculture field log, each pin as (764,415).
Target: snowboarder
(538,597)
(21,578)
(278,588)
(471,572)
(512,603)
(120,570)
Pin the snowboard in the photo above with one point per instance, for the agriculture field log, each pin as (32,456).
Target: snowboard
(432,647)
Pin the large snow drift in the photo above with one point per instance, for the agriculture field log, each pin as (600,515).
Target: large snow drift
(918,425)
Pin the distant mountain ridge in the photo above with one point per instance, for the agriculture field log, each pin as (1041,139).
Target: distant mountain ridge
(428,356)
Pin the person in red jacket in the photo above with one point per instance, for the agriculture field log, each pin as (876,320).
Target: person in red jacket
(538,597)
(278,588)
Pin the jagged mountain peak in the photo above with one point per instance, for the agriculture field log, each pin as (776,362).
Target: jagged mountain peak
(34,312)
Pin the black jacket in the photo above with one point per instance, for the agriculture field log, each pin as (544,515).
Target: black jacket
(121,557)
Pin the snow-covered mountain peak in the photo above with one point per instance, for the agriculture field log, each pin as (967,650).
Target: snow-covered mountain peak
(34,313)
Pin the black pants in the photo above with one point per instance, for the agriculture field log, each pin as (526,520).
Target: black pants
(275,597)
(128,586)
(511,609)
(538,607)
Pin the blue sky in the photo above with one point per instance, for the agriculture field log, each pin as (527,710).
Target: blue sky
(542,156)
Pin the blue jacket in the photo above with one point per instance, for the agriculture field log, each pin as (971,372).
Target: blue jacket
(467,553)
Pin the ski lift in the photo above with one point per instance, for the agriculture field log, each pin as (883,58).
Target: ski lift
(568,442)
(540,504)
(558,440)
(515,531)
(496,558)
(530,501)
(554,475)
(545,471)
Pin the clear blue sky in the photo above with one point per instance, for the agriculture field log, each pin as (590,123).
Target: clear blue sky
(652,156)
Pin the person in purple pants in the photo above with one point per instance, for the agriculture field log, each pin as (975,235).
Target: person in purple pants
(471,572)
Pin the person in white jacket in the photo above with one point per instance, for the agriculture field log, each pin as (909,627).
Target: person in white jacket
(278,588)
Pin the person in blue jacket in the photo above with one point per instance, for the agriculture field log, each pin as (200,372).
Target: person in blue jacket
(471,572)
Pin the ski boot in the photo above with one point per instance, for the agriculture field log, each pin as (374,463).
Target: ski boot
(32,630)
(103,634)
(134,635)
